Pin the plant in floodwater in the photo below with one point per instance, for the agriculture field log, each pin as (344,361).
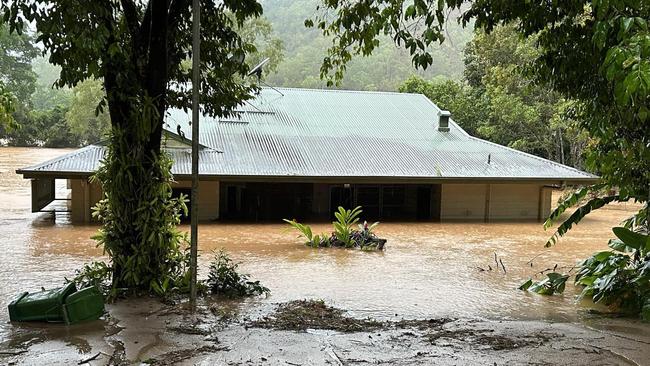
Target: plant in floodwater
(345,219)
(618,278)
(554,283)
(224,279)
(314,241)
(343,235)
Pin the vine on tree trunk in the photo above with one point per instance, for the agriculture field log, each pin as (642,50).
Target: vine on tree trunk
(139,215)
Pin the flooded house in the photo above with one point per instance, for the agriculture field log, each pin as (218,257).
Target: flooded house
(301,153)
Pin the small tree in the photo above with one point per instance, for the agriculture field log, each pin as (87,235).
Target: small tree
(17,80)
(90,125)
(7,107)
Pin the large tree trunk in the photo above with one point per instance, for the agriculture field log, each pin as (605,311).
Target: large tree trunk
(140,234)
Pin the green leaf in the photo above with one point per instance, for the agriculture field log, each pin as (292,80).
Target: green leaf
(524,286)
(410,12)
(618,245)
(631,239)
(579,214)
(569,202)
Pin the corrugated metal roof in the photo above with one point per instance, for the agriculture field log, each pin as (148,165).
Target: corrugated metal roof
(328,133)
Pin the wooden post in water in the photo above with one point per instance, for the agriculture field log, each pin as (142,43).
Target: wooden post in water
(194,211)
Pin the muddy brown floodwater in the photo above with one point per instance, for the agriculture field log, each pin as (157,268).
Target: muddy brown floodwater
(428,270)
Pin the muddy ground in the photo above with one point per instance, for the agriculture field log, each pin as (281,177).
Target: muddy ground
(143,331)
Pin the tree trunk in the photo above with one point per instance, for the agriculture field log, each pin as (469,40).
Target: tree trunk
(140,234)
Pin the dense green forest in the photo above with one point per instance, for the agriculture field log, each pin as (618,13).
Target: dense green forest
(42,114)
(480,78)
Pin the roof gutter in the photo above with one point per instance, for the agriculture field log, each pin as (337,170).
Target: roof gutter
(559,181)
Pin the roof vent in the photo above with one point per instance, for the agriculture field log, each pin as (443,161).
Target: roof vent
(443,121)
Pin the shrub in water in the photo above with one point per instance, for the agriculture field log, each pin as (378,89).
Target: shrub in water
(343,235)
(224,279)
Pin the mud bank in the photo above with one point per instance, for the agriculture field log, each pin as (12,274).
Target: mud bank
(143,331)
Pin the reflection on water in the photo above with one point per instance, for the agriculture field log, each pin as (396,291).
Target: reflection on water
(427,269)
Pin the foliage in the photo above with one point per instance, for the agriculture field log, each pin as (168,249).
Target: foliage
(343,234)
(56,132)
(96,274)
(619,278)
(384,70)
(314,241)
(7,108)
(90,125)
(17,79)
(146,253)
(16,54)
(554,283)
(224,279)
(46,96)
(41,128)
(260,32)
(582,211)
(345,219)
(468,106)
(365,236)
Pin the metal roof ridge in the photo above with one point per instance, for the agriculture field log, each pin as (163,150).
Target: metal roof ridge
(535,157)
(64,157)
(341,90)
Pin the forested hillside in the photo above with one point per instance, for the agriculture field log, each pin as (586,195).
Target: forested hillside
(386,69)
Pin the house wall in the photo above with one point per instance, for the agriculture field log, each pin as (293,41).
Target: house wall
(208,198)
(546,194)
(484,202)
(85,195)
(463,202)
(514,202)
(495,202)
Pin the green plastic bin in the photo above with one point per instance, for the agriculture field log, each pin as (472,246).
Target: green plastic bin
(83,305)
(45,305)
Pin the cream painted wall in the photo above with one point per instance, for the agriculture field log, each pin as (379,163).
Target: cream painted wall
(208,198)
(514,201)
(503,202)
(546,203)
(458,201)
(84,195)
(462,202)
